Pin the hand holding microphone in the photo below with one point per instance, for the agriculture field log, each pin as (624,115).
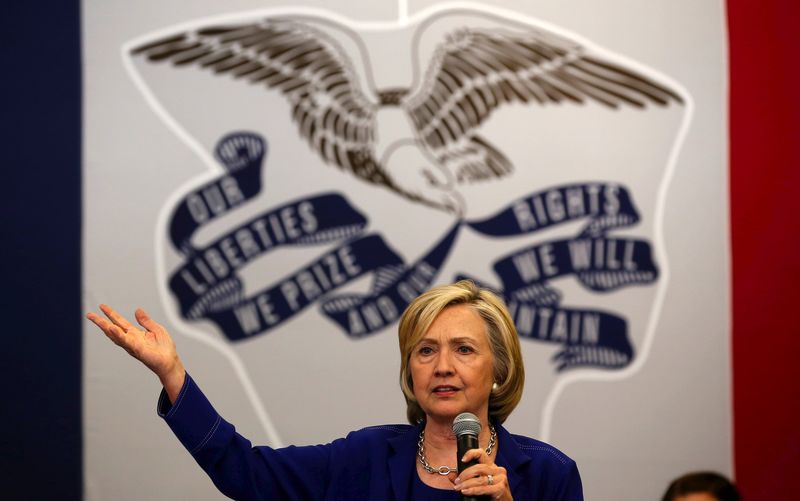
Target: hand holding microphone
(479,479)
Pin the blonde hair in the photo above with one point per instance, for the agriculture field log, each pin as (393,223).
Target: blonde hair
(509,373)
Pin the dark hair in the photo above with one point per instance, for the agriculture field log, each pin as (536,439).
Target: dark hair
(702,481)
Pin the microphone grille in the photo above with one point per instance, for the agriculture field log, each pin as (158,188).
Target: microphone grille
(466,423)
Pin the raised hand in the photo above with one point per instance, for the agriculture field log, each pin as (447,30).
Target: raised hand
(151,345)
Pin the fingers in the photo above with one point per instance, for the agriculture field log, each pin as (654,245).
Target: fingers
(480,486)
(116,318)
(117,328)
(474,481)
(113,332)
(148,323)
(478,454)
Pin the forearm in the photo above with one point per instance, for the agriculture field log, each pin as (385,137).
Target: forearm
(173,380)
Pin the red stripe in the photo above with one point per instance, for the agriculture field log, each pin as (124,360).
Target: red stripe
(764,41)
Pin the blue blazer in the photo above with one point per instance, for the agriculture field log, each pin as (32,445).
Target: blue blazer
(375,463)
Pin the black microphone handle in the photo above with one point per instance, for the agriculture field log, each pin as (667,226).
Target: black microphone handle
(465,443)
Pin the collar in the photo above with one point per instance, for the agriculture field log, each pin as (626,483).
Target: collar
(403,461)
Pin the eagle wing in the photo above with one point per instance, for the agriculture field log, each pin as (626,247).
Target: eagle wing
(476,71)
(305,65)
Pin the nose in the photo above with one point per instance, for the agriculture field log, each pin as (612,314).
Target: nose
(444,364)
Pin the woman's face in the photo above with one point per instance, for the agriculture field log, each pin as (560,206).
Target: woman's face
(452,365)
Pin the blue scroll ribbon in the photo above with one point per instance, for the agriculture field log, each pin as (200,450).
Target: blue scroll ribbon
(361,315)
(208,285)
(588,337)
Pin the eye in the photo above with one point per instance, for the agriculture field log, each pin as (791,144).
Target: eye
(425,350)
(465,349)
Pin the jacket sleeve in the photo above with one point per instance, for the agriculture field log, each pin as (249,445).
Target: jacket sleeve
(238,469)
(571,488)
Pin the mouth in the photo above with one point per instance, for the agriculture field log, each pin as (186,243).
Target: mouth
(444,390)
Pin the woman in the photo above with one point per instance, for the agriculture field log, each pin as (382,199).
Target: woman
(459,353)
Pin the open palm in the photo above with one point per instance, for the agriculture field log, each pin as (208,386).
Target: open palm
(151,344)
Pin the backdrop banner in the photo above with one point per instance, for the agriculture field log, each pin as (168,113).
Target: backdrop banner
(276,183)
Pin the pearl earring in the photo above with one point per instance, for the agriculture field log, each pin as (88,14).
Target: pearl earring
(494,387)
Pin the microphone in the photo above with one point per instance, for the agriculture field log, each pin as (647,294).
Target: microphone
(467,428)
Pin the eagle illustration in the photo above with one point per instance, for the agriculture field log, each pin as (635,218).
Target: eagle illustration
(471,74)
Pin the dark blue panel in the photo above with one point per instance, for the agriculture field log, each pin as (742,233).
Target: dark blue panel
(40,135)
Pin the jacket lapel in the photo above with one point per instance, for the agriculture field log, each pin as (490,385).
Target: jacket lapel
(510,456)
(401,462)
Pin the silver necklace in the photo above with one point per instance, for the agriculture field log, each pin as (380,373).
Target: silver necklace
(446,470)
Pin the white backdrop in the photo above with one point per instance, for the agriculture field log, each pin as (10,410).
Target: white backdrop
(151,130)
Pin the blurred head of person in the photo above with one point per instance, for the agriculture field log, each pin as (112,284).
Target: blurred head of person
(701,486)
